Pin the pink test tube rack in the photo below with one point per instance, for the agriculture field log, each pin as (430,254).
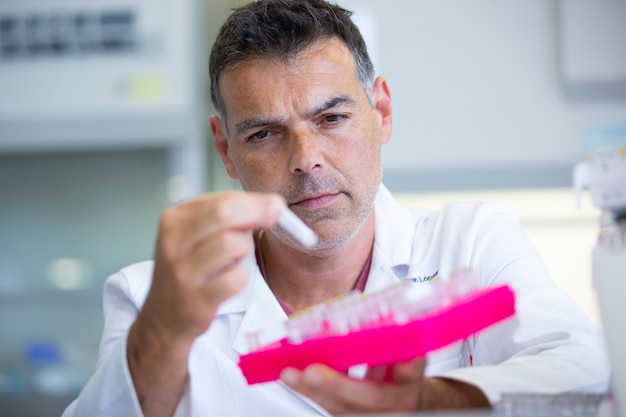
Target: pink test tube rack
(382,339)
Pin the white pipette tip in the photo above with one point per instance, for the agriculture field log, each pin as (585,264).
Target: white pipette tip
(297,228)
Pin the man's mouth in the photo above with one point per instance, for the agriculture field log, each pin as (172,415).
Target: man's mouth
(315,201)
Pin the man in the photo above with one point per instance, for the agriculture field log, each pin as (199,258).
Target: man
(301,121)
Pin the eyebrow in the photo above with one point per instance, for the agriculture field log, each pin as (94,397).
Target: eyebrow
(329,104)
(254,123)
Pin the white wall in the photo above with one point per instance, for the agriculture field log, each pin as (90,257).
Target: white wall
(476,86)
(562,233)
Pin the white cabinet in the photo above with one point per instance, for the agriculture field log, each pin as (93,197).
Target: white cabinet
(93,75)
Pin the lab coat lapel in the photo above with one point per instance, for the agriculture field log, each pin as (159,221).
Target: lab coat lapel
(264,317)
(393,241)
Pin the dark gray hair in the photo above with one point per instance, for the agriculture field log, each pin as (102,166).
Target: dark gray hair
(282,29)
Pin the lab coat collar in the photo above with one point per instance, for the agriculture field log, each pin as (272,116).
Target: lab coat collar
(394,238)
(262,314)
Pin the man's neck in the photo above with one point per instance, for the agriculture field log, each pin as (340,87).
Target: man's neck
(301,280)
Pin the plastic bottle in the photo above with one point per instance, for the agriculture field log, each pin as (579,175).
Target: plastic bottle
(603,173)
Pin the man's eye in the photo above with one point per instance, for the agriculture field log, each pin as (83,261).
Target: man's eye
(335,118)
(259,136)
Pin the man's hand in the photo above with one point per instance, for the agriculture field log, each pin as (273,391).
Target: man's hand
(198,255)
(408,391)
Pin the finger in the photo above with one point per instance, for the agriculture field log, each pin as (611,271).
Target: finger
(335,392)
(247,211)
(219,252)
(340,394)
(189,271)
(380,373)
(186,311)
(189,223)
(311,384)
(225,285)
(409,371)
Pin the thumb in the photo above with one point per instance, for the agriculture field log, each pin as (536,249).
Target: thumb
(409,371)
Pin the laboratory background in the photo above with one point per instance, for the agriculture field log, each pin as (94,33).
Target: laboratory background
(103,124)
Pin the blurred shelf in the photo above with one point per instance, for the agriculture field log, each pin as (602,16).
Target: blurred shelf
(88,298)
(33,405)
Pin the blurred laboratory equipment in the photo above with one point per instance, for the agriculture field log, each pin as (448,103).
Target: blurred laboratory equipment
(103,109)
(603,173)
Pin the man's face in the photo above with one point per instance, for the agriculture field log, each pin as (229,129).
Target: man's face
(305,129)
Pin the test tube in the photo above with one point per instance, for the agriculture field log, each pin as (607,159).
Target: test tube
(297,228)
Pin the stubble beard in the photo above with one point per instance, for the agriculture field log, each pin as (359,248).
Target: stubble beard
(349,218)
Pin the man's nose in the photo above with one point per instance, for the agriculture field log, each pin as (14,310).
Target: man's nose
(306,153)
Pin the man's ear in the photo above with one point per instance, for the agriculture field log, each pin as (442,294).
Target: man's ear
(381,100)
(222,145)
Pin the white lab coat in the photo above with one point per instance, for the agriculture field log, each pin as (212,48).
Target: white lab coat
(548,347)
